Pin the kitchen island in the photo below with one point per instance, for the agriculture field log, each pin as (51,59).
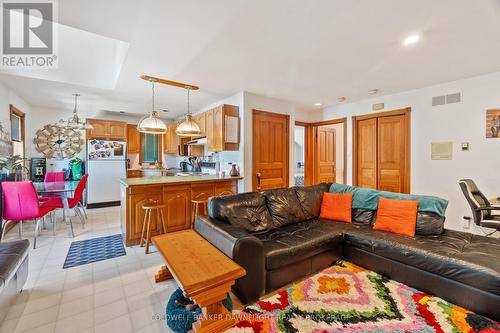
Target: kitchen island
(176,192)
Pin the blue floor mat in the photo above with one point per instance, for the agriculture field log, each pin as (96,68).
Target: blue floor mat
(95,249)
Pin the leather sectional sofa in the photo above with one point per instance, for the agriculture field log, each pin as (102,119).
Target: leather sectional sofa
(13,272)
(278,237)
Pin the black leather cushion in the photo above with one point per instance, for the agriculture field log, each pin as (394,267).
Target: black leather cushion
(429,224)
(245,210)
(364,216)
(11,255)
(310,198)
(284,207)
(463,257)
(296,242)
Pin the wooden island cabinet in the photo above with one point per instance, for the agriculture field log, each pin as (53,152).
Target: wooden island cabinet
(176,192)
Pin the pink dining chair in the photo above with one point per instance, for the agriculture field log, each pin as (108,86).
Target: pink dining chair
(73,203)
(58,176)
(20,202)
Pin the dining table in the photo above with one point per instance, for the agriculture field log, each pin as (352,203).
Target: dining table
(64,190)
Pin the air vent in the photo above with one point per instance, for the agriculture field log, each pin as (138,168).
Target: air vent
(438,100)
(453,98)
(447,99)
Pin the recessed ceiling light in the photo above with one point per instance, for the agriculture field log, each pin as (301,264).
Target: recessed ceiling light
(122,112)
(318,104)
(373,91)
(341,99)
(412,39)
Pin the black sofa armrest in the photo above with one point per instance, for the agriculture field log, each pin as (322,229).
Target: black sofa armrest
(243,248)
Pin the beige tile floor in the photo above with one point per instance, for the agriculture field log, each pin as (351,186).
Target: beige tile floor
(114,295)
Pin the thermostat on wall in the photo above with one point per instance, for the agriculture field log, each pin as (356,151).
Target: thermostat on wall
(465,146)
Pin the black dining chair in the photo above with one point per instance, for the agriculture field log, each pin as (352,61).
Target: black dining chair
(482,210)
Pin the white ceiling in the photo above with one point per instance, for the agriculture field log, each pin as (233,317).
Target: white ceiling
(301,51)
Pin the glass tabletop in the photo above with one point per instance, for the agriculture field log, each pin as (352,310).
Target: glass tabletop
(55,187)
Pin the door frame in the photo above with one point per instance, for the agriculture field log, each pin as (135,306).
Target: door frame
(398,112)
(287,148)
(311,151)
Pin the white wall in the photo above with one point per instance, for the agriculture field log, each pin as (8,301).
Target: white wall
(463,122)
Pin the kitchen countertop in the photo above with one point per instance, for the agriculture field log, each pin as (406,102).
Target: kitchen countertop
(174,180)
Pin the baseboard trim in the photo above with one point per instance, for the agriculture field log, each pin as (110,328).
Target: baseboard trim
(103,204)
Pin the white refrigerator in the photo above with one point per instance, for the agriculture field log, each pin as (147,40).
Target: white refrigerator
(106,165)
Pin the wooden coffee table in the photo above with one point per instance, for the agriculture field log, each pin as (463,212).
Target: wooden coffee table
(204,274)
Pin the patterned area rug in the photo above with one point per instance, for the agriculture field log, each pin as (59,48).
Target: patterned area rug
(94,249)
(348,298)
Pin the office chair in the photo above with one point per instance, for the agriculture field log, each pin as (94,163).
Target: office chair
(480,205)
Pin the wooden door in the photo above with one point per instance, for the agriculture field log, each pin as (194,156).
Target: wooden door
(326,155)
(137,200)
(99,130)
(117,130)
(367,153)
(133,139)
(178,210)
(217,129)
(391,153)
(270,140)
(200,120)
(209,129)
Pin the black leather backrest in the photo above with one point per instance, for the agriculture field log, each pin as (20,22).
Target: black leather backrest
(284,207)
(364,216)
(429,224)
(475,198)
(310,198)
(244,210)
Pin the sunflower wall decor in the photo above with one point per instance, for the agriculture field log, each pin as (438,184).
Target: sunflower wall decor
(58,142)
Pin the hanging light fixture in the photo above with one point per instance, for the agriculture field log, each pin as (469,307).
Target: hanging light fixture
(75,122)
(188,127)
(151,123)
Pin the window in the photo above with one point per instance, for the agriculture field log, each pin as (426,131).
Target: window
(17,131)
(150,148)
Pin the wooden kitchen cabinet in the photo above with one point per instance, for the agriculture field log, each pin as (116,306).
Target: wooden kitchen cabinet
(175,193)
(134,173)
(200,120)
(178,207)
(140,197)
(133,139)
(107,129)
(171,140)
(223,128)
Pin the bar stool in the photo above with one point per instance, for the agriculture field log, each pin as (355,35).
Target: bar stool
(152,205)
(200,200)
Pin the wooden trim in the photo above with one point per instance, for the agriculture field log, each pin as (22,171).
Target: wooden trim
(398,112)
(329,122)
(22,117)
(302,123)
(169,83)
(280,115)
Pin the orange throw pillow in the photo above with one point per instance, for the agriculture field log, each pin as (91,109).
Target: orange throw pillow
(336,206)
(396,216)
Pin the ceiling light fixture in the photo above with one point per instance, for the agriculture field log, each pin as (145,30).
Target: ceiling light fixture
(341,99)
(75,122)
(188,127)
(412,39)
(373,91)
(318,104)
(151,122)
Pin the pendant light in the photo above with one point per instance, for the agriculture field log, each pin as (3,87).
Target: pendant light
(151,123)
(75,122)
(188,127)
